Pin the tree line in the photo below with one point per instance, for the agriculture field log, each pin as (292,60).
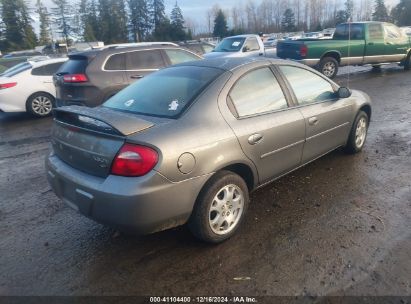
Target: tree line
(117,21)
(271,16)
(110,21)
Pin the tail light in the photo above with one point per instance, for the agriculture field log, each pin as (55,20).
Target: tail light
(134,160)
(303,51)
(7,85)
(75,78)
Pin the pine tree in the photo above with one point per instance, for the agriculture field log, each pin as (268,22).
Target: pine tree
(177,24)
(63,18)
(139,19)
(29,37)
(349,9)
(340,17)
(160,21)
(112,21)
(44,38)
(288,21)
(13,33)
(18,32)
(380,11)
(402,13)
(158,13)
(220,25)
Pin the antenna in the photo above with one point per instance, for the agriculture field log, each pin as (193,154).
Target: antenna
(349,52)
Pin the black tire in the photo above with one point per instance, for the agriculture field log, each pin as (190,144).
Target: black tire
(199,222)
(40,104)
(376,68)
(328,66)
(407,63)
(353,145)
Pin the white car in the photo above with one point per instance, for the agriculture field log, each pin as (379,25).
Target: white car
(28,87)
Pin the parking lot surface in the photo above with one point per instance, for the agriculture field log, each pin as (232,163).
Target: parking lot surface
(339,226)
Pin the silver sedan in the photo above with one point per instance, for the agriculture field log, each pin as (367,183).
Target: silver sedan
(187,144)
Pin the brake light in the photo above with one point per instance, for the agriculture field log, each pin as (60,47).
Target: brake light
(7,85)
(134,160)
(75,78)
(303,51)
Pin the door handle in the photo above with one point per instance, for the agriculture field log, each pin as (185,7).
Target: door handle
(255,139)
(371,43)
(313,121)
(136,76)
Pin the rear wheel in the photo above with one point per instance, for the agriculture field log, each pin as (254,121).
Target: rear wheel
(328,66)
(220,208)
(376,68)
(358,133)
(407,63)
(40,104)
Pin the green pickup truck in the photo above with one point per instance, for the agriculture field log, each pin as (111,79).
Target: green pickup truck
(357,43)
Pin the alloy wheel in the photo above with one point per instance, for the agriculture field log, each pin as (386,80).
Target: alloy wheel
(361,132)
(42,105)
(329,69)
(226,209)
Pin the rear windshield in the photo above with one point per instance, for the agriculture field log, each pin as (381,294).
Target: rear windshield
(230,45)
(349,31)
(18,68)
(166,93)
(74,65)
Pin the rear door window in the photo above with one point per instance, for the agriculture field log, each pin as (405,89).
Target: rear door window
(116,62)
(180,56)
(17,69)
(47,70)
(145,60)
(257,92)
(349,31)
(375,31)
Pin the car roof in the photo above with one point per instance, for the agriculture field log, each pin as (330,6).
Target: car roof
(123,48)
(231,64)
(47,61)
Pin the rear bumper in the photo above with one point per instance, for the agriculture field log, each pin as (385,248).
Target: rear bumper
(64,103)
(137,204)
(309,62)
(11,101)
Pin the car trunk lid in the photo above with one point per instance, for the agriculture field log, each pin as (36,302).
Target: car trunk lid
(89,139)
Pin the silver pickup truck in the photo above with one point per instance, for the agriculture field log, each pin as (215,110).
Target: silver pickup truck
(240,46)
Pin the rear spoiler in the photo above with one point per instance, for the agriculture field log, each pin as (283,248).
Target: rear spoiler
(101,119)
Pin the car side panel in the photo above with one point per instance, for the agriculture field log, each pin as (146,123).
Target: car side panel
(207,138)
(331,129)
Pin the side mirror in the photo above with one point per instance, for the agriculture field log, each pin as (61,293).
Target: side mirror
(245,49)
(343,92)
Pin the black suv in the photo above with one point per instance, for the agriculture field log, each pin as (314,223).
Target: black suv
(91,77)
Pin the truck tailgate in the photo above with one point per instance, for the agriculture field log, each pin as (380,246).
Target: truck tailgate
(289,49)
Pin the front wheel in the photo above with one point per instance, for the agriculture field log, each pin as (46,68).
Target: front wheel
(358,133)
(40,104)
(328,66)
(220,208)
